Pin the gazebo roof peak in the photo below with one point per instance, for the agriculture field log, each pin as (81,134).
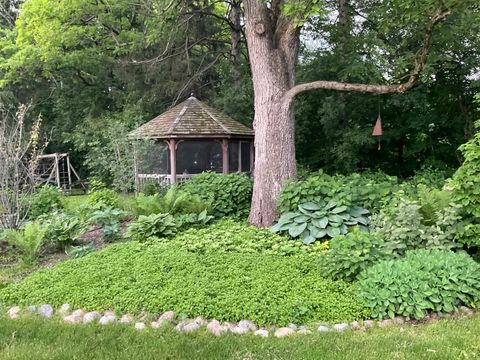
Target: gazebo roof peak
(192,118)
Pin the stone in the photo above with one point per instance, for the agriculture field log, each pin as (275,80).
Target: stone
(398,320)
(239,330)
(140,326)
(91,317)
(75,318)
(248,324)
(78,312)
(368,324)
(355,325)
(385,323)
(168,316)
(155,325)
(465,310)
(293,327)
(216,328)
(200,321)
(190,327)
(340,327)
(13,312)
(64,309)
(109,313)
(126,319)
(323,328)
(304,332)
(284,331)
(261,333)
(229,326)
(32,308)
(107,319)
(46,310)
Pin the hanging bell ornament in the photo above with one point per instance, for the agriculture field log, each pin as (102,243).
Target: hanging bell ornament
(377,130)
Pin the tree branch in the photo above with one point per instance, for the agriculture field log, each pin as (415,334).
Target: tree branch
(420,61)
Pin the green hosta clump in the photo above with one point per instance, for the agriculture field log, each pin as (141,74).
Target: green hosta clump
(155,225)
(236,237)
(155,277)
(63,229)
(349,255)
(423,281)
(320,221)
(109,220)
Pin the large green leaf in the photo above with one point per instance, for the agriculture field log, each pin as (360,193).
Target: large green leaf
(320,223)
(333,231)
(311,206)
(296,230)
(339,209)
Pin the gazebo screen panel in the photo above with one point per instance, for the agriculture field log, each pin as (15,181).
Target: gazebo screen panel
(155,159)
(196,156)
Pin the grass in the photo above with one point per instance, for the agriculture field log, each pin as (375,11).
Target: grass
(43,339)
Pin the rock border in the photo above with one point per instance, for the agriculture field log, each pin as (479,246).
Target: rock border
(215,327)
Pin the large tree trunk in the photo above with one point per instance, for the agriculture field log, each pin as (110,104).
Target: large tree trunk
(273,48)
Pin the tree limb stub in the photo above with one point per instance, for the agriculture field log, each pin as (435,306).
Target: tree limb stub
(420,61)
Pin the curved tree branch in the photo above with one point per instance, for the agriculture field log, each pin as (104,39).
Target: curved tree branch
(420,62)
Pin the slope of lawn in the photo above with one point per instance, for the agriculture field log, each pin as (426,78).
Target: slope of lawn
(43,339)
(155,277)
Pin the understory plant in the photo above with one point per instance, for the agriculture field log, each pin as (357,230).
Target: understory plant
(423,281)
(27,240)
(45,200)
(63,229)
(154,225)
(350,254)
(109,220)
(320,220)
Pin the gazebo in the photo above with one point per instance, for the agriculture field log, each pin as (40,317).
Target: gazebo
(191,138)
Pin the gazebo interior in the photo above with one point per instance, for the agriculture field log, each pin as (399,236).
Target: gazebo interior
(191,138)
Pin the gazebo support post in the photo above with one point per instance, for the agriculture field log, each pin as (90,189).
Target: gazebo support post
(172,144)
(225,156)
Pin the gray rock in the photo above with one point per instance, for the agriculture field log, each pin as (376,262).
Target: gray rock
(385,323)
(323,328)
(64,309)
(168,316)
(31,308)
(465,310)
(13,312)
(239,330)
(107,319)
(261,332)
(126,319)
(229,326)
(248,324)
(190,327)
(399,320)
(155,325)
(46,310)
(304,332)
(293,327)
(109,313)
(284,331)
(355,325)
(91,317)
(340,327)
(368,323)
(75,318)
(216,328)
(200,321)
(140,326)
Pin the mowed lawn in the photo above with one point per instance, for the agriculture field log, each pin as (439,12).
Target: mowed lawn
(43,339)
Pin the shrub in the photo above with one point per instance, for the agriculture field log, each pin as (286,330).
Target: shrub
(229,194)
(422,281)
(231,236)
(186,221)
(135,277)
(314,221)
(103,198)
(108,219)
(44,201)
(158,225)
(351,254)
(27,240)
(63,229)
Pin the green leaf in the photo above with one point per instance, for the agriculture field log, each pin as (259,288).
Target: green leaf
(320,223)
(296,230)
(309,206)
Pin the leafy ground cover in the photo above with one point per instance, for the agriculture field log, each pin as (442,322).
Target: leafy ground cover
(156,277)
(48,339)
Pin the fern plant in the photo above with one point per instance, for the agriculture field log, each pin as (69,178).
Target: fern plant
(28,240)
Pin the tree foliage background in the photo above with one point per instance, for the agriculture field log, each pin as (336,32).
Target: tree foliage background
(93,66)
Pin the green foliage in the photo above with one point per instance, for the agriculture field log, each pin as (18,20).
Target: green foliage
(28,240)
(79,251)
(466,187)
(188,220)
(154,225)
(46,200)
(404,228)
(321,220)
(155,277)
(154,187)
(230,194)
(422,281)
(231,236)
(63,229)
(351,254)
(108,219)
(432,202)
(102,198)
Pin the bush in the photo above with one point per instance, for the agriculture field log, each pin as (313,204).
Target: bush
(46,200)
(231,236)
(102,199)
(28,240)
(135,277)
(349,255)
(63,229)
(145,227)
(316,221)
(229,194)
(108,219)
(422,281)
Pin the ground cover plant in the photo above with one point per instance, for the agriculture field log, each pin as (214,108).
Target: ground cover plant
(422,281)
(135,277)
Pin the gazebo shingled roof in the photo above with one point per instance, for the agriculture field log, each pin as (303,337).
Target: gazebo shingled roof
(192,118)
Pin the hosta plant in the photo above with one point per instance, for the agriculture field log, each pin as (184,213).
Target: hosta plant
(155,225)
(320,220)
